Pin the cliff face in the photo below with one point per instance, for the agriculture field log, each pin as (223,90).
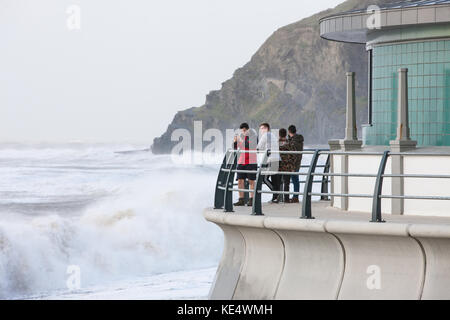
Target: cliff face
(294,78)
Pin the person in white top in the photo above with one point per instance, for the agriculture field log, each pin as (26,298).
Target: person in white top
(269,141)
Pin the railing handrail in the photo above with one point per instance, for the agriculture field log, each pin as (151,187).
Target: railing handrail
(344,153)
(271,151)
(380,153)
(228,169)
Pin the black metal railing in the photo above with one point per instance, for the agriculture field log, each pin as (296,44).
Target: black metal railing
(225,185)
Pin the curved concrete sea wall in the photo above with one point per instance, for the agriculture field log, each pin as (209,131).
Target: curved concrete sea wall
(289,258)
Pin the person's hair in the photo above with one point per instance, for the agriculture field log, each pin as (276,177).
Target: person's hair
(282,133)
(292,129)
(244,126)
(265,125)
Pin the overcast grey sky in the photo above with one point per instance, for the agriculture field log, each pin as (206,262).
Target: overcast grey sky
(131,66)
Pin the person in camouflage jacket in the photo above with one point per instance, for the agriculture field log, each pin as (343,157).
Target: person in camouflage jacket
(296,144)
(287,163)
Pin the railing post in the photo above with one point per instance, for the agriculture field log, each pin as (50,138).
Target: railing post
(257,202)
(376,205)
(221,182)
(228,197)
(324,188)
(306,201)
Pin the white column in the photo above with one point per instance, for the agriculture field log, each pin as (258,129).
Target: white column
(350,123)
(397,186)
(350,141)
(403,141)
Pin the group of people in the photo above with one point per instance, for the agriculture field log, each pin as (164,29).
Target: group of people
(265,153)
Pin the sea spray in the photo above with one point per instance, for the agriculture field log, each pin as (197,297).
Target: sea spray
(130,215)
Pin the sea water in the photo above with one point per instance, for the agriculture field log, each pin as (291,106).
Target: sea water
(130,222)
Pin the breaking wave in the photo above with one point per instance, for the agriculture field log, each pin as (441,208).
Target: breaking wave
(116,216)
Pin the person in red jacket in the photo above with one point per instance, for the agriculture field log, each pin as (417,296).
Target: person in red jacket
(246,140)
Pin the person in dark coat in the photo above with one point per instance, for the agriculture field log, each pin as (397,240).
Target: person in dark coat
(296,144)
(287,163)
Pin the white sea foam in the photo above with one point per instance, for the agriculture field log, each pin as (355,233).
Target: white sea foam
(116,216)
(191,285)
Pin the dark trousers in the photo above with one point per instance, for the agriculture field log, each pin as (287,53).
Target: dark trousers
(296,183)
(273,182)
(278,182)
(286,181)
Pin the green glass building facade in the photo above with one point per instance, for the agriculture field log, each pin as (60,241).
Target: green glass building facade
(415,35)
(428,64)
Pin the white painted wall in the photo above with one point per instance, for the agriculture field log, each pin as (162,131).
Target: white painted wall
(359,185)
(427,187)
(336,181)
(412,186)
